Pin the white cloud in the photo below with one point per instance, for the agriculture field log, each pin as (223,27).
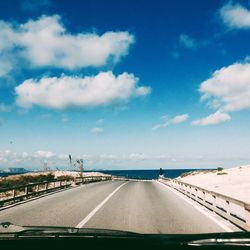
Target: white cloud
(24,155)
(187,41)
(30,160)
(43,154)
(63,157)
(190,43)
(89,91)
(8,156)
(45,42)
(213,119)
(228,88)
(137,157)
(235,16)
(177,119)
(108,157)
(7,58)
(97,130)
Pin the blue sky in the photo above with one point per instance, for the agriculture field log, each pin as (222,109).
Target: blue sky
(124,85)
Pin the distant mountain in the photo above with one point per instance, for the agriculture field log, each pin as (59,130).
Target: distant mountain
(14,170)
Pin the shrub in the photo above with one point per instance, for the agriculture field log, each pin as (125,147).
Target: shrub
(26,179)
(65,178)
(185,174)
(221,173)
(219,169)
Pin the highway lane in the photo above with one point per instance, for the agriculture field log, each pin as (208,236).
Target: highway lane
(65,208)
(145,207)
(148,207)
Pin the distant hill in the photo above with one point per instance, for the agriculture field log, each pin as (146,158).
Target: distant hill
(14,170)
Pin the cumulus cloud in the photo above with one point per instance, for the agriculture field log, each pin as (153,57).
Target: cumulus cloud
(96,130)
(89,91)
(228,88)
(7,40)
(45,42)
(167,121)
(213,119)
(235,16)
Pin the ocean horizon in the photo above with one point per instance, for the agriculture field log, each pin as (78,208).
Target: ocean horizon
(146,174)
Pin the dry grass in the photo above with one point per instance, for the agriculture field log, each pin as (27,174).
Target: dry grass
(19,180)
(221,173)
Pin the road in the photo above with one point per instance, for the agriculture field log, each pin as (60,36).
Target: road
(145,207)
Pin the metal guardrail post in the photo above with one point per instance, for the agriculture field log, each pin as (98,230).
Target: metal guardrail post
(196,194)
(37,188)
(236,211)
(228,208)
(214,202)
(26,191)
(247,214)
(14,193)
(203,198)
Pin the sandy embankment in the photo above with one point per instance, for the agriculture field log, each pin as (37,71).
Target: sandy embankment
(56,173)
(233,182)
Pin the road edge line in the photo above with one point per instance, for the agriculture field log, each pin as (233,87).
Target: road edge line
(226,228)
(98,207)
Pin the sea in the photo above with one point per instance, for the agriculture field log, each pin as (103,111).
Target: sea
(146,174)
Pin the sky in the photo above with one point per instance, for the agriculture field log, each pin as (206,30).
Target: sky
(124,84)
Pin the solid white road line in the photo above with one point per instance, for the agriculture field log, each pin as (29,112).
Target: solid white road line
(93,212)
(223,226)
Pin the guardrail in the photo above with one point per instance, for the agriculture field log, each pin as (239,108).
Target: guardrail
(87,179)
(24,192)
(119,178)
(236,211)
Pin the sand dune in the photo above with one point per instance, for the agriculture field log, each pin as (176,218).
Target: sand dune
(233,182)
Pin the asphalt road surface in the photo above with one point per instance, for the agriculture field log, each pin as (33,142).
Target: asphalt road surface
(144,207)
